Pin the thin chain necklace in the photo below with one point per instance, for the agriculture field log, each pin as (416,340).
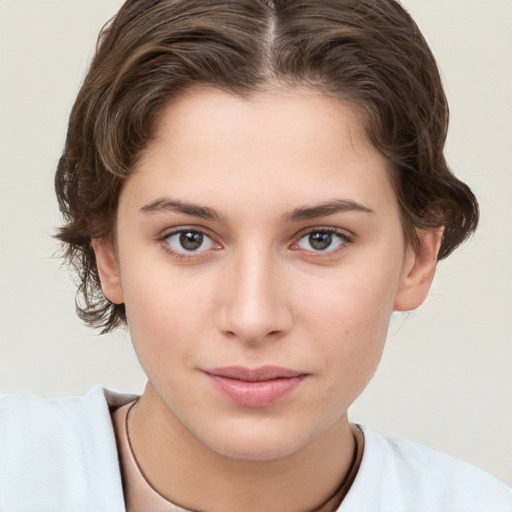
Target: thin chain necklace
(339,493)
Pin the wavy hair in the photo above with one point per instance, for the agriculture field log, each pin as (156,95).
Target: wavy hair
(367,52)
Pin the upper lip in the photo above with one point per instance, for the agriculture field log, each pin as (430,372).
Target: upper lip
(254,374)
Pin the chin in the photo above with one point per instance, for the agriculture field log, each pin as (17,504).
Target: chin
(255,452)
(257,444)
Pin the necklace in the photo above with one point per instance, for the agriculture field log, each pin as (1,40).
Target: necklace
(338,495)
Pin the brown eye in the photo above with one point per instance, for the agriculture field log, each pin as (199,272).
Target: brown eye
(322,241)
(189,240)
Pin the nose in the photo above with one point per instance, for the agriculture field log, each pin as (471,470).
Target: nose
(254,305)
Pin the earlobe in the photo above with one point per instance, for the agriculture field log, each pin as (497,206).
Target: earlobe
(419,270)
(108,270)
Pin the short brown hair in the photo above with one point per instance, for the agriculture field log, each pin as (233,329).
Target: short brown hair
(367,52)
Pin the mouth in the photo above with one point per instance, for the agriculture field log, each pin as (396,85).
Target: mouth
(256,374)
(255,388)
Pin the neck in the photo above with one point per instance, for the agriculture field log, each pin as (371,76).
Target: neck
(189,473)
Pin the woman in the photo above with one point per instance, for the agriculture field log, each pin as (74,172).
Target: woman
(253,187)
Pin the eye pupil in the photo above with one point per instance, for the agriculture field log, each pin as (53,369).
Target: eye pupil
(191,240)
(320,241)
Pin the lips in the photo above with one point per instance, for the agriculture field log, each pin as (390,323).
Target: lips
(255,388)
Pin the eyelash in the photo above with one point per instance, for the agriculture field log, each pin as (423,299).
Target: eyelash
(185,255)
(344,242)
(344,239)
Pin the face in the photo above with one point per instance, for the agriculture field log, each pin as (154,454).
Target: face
(259,253)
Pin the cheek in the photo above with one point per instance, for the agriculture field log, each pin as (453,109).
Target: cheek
(165,314)
(349,320)
(354,302)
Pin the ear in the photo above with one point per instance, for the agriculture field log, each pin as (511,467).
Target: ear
(419,270)
(108,269)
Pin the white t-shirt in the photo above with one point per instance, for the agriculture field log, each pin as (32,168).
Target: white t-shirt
(401,476)
(61,455)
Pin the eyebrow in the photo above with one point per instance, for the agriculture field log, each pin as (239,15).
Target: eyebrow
(325,209)
(299,214)
(174,205)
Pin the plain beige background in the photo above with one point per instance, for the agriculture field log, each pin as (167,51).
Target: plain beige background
(445,379)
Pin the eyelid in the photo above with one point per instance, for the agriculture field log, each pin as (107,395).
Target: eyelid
(166,233)
(164,237)
(345,236)
(345,233)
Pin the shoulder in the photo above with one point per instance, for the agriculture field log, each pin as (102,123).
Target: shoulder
(77,419)
(398,476)
(57,452)
(94,400)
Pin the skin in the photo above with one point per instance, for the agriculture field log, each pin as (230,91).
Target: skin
(257,292)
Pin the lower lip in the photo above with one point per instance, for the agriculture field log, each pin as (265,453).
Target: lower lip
(256,394)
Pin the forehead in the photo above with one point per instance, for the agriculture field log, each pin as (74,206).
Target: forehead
(206,116)
(291,143)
